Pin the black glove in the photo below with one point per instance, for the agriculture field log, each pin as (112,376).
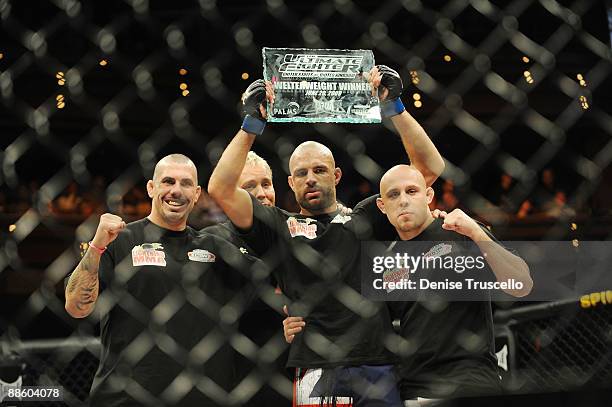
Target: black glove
(253,97)
(390,80)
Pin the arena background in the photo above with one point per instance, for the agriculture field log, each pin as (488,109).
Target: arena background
(94,93)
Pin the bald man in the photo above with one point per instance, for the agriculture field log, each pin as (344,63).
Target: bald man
(318,250)
(452,346)
(161,287)
(453,352)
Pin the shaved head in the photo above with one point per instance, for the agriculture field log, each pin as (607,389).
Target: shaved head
(401,171)
(171,160)
(313,178)
(311,149)
(405,199)
(174,190)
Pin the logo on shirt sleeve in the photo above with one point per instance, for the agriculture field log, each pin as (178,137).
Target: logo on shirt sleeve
(302,227)
(201,255)
(439,250)
(149,254)
(395,276)
(340,218)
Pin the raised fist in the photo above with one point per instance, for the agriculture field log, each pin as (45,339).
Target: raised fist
(108,229)
(387,82)
(390,81)
(254,98)
(458,221)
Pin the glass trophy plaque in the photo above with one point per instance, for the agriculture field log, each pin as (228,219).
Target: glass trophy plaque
(320,85)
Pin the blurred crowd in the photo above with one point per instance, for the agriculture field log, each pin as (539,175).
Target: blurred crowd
(546,199)
(83,202)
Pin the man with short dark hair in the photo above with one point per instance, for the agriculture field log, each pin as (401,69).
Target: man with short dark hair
(170,298)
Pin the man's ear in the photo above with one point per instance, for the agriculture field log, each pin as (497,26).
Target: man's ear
(381,205)
(198,192)
(290,182)
(337,175)
(429,192)
(150,187)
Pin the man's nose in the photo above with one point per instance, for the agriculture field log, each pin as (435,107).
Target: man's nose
(311,179)
(176,189)
(259,193)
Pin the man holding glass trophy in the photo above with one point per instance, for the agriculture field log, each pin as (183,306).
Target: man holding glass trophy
(343,350)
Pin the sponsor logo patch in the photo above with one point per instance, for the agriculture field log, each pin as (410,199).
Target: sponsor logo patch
(149,254)
(339,218)
(302,227)
(438,250)
(395,276)
(201,255)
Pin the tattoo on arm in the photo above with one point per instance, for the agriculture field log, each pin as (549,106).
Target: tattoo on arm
(83,283)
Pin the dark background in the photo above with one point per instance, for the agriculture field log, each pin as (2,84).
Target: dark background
(119,119)
(223,40)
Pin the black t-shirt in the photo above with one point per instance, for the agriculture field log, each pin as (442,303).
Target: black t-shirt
(227,231)
(450,346)
(316,262)
(170,301)
(261,323)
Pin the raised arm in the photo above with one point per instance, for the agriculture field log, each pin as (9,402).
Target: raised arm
(223,184)
(83,285)
(421,151)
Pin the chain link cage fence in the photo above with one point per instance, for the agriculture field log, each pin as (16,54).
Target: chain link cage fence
(556,346)
(515,95)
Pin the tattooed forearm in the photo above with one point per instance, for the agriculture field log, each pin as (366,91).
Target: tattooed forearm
(86,273)
(83,306)
(82,289)
(88,295)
